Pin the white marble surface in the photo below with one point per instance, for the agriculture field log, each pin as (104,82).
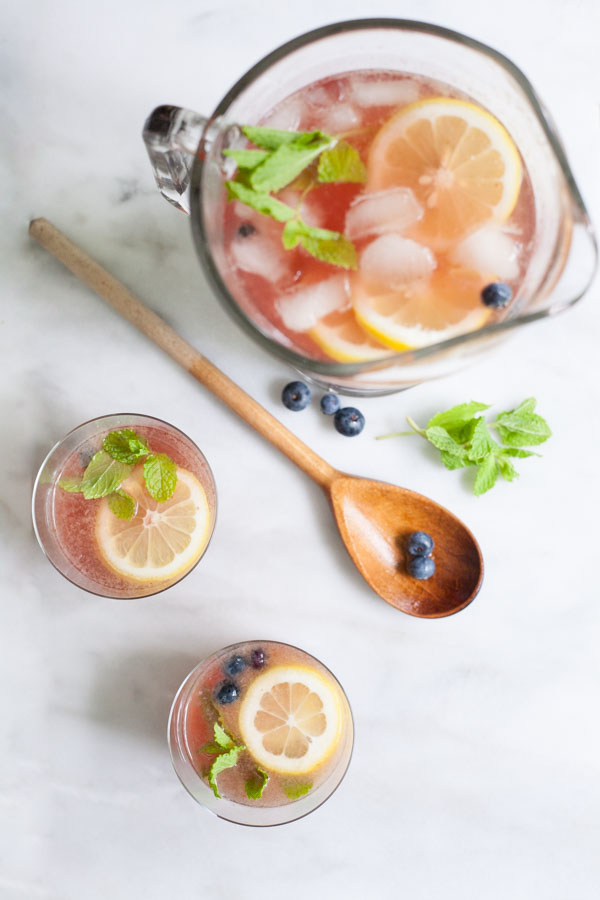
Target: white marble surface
(477,760)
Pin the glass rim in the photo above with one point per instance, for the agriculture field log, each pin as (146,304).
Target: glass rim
(55,447)
(348,369)
(188,681)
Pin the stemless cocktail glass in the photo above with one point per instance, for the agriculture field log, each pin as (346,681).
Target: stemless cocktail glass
(124,558)
(274,720)
(186,150)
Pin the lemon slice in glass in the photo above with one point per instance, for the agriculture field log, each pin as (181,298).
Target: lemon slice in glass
(163,540)
(291,719)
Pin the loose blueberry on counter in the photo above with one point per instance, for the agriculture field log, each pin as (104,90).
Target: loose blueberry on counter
(296,395)
(234,665)
(420,543)
(246,229)
(421,567)
(226,692)
(349,421)
(257,658)
(497,294)
(330,403)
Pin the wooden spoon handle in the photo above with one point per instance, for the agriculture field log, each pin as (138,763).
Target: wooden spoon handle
(150,324)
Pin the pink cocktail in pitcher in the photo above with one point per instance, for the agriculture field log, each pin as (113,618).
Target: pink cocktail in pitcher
(378,202)
(432,206)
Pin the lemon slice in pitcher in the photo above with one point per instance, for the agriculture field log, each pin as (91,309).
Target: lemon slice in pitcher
(340,336)
(163,540)
(458,159)
(291,719)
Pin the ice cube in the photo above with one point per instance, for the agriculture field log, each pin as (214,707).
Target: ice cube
(391,261)
(489,250)
(285,116)
(260,254)
(302,308)
(310,209)
(382,211)
(340,117)
(384,92)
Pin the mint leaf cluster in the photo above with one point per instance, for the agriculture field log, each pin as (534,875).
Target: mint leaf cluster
(283,156)
(111,465)
(464,439)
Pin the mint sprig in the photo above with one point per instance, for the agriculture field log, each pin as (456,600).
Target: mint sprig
(464,439)
(111,465)
(282,157)
(226,753)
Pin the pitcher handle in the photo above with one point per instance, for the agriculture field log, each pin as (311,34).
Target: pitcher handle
(172,135)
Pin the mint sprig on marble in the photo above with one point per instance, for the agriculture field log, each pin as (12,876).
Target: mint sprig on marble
(464,439)
(281,159)
(110,466)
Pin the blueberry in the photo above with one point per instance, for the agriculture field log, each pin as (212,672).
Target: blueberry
(330,403)
(497,294)
(349,421)
(257,658)
(419,543)
(234,665)
(296,395)
(421,567)
(226,692)
(246,229)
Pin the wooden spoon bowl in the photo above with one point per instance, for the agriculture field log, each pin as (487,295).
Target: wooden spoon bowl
(374,518)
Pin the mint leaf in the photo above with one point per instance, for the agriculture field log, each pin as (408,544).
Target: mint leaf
(222,738)
(487,473)
(481,443)
(341,163)
(284,165)
(247,159)
(103,475)
(121,504)
(71,485)
(256,785)
(521,454)
(507,470)
(457,417)
(452,461)
(328,246)
(211,747)
(521,427)
(261,202)
(160,475)
(273,138)
(125,445)
(222,741)
(223,761)
(295,791)
(440,438)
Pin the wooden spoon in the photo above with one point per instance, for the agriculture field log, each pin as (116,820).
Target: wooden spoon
(374,518)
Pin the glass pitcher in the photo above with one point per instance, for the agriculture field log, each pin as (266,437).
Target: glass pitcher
(186,152)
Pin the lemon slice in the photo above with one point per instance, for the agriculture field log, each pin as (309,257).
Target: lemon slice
(342,338)
(460,162)
(424,313)
(162,540)
(291,719)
